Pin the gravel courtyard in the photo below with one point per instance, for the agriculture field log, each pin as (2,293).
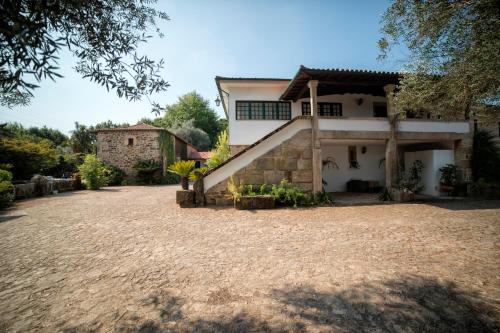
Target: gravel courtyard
(127,259)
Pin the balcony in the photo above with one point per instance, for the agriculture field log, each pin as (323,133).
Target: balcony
(379,128)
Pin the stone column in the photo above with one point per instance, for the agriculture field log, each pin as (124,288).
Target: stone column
(316,144)
(391,157)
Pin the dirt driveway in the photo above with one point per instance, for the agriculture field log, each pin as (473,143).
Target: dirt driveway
(129,260)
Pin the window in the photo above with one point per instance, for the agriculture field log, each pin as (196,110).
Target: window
(324,109)
(130,142)
(380,110)
(263,110)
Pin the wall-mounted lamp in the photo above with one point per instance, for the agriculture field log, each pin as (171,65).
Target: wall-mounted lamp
(363,150)
(218,100)
(359,101)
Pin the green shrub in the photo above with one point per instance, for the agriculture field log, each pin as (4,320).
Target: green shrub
(284,193)
(6,188)
(485,160)
(385,195)
(66,164)
(114,174)
(27,157)
(171,178)
(449,175)
(148,172)
(93,172)
(287,194)
(221,152)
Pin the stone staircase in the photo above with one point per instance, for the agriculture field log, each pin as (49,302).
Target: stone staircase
(284,153)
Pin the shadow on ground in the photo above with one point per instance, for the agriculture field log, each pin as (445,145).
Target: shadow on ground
(407,304)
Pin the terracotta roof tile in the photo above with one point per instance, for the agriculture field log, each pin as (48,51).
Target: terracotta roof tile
(200,155)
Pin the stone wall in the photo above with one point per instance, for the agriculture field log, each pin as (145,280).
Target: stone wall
(113,148)
(463,155)
(291,160)
(235,149)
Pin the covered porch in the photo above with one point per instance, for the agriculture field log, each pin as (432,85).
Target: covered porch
(359,165)
(373,150)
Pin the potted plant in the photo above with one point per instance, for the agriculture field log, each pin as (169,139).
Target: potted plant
(449,177)
(184,198)
(409,183)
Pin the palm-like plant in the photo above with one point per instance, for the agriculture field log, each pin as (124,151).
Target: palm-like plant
(193,176)
(183,169)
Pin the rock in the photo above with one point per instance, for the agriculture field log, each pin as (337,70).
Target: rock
(41,185)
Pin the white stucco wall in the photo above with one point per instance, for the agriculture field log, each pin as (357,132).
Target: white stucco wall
(432,160)
(246,132)
(368,162)
(365,125)
(433,126)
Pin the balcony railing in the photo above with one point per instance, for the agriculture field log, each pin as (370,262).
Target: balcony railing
(382,125)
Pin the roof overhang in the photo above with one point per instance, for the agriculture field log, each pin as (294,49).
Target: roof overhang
(339,81)
(225,82)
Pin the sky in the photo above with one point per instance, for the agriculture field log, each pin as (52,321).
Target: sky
(203,39)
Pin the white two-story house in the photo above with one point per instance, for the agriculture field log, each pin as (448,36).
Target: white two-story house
(329,129)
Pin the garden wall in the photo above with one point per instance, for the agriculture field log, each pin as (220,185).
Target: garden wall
(291,160)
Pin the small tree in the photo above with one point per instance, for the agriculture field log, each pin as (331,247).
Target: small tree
(221,151)
(6,188)
(93,172)
(183,169)
(193,135)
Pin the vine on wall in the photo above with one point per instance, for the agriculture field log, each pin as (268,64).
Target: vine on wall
(166,141)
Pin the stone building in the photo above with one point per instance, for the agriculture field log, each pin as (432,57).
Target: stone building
(123,147)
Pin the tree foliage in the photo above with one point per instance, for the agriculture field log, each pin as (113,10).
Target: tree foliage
(83,139)
(192,106)
(221,151)
(192,134)
(453,65)
(27,157)
(17,130)
(485,160)
(104,36)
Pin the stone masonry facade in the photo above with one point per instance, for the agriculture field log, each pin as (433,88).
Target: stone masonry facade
(113,148)
(235,149)
(292,160)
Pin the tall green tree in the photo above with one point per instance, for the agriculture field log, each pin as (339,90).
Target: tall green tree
(195,136)
(103,35)
(453,67)
(17,130)
(193,106)
(83,139)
